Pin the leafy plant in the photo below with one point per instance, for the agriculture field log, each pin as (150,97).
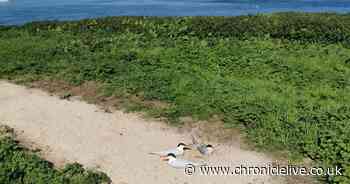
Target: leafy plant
(21,166)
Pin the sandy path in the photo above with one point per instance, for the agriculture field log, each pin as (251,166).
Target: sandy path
(117,143)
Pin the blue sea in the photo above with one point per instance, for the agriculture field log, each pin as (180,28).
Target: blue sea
(22,11)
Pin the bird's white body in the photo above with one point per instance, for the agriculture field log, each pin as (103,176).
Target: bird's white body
(179,150)
(175,151)
(179,163)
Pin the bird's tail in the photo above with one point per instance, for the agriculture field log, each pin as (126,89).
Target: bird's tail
(153,153)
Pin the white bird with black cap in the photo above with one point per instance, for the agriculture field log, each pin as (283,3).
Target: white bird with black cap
(178,163)
(179,150)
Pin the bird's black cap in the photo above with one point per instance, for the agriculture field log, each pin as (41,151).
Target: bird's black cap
(171,155)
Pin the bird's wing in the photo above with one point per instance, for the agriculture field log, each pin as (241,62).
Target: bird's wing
(194,141)
(157,153)
(179,163)
(165,152)
(187,162)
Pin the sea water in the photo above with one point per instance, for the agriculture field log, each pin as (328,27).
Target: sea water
(22,11)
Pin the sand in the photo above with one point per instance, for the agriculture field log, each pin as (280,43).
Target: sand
(116,143)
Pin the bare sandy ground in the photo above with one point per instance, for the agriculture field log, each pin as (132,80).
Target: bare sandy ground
(116,143)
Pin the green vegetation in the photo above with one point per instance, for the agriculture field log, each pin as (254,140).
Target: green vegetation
(283,78)
(21,166)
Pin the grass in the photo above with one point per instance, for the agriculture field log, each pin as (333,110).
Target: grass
(19,165)
(286,92)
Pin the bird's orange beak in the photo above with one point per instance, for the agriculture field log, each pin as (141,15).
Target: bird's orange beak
(163,158)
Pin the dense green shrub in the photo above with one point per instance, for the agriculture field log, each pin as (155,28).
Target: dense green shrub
(306,27)
(284,78)
(328,28)
(20,166)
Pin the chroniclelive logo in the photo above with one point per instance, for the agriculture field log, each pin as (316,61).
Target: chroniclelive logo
(267,169)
